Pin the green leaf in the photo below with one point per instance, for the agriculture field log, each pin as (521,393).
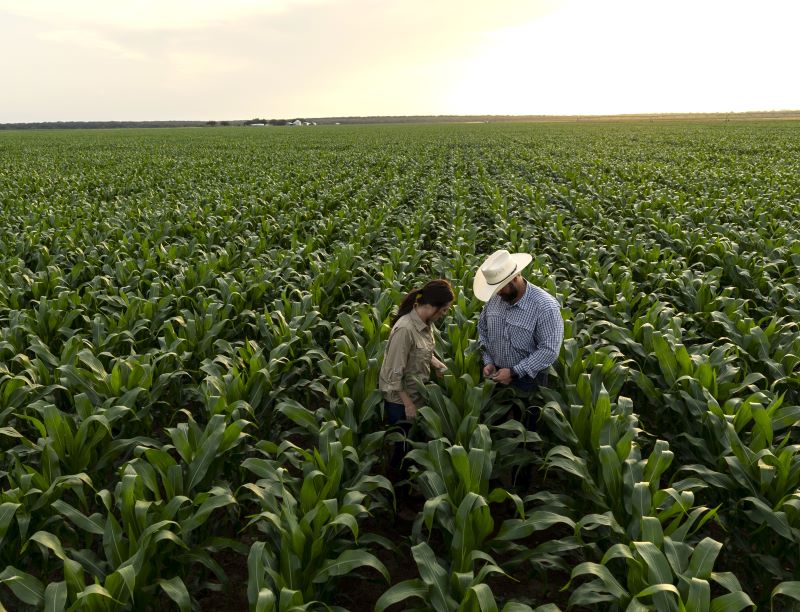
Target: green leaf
(400,592)
(763,422)
(611,470)
(93,592)
(74,577)
(642,499)
(732,602)
(211,503)
(610,583)
(677,554)
(699,598)
(655,589)
(652,531)
(113,541)
(24,586)
(124,577)
(265,601)
(55,597)
(48,540)
(300,415)
(290,599)
(703,558)
(94,364)
(727,580)
(88,524)
(617,551)
(255,571)
(666,358)
(434,575)
(515,529)
(207,453)
(788,589)
(347,562)
(176,590)
(660,572)
(484,596)
(460,461)
(762,513)
(346,520)
(600,416)
(7,512)
(592,521)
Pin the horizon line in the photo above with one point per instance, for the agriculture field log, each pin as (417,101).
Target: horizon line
(538,116)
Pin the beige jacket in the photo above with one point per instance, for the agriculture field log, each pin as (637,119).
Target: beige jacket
(408,355)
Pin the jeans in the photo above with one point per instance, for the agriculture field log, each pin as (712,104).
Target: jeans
(394,412)
(526,388)
(526,383)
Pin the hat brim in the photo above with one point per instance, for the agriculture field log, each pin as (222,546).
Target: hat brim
(485,291)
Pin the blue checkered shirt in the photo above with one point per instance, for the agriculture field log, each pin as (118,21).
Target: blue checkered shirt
(525,336)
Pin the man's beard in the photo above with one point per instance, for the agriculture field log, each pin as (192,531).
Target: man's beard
(510,294)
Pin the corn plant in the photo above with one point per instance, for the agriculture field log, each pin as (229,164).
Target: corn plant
(439,587)
(677,577)
(455,411)
(310,523)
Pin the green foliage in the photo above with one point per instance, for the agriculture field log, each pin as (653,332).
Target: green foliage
(192,325)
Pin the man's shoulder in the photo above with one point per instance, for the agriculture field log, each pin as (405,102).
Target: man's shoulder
(494,305)
(542,296)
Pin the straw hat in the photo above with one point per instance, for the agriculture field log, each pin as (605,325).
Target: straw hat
(497,271)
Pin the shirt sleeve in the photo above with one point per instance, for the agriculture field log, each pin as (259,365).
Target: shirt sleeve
(483,336)
(549,335)
(394,361)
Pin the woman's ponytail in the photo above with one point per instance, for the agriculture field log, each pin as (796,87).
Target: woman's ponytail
(436,293)
(412,298)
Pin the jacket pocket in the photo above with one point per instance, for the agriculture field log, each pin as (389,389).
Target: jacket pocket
(421,356)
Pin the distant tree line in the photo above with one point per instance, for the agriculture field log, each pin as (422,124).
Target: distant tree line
(99,125)
(258,121)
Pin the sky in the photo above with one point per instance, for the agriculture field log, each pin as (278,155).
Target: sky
(85,60)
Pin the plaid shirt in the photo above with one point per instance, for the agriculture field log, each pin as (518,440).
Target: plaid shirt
(525,336)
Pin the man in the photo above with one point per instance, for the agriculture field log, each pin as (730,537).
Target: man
(520,331)
(520,328)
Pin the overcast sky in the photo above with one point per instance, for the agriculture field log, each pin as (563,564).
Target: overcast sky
(77,60)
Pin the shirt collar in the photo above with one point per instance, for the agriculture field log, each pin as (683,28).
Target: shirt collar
(418,322)
(526,298)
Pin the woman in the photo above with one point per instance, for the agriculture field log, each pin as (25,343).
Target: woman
(409,354)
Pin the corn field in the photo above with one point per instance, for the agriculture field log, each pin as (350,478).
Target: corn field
(192,324)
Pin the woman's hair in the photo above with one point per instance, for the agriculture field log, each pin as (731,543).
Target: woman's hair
(436,293)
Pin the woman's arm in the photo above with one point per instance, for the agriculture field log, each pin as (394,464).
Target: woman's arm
(411,409)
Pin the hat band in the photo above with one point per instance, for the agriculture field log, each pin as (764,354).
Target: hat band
(508,276)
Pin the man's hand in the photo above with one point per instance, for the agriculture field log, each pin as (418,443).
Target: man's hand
(502,376)
(411,410)
(489,370)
